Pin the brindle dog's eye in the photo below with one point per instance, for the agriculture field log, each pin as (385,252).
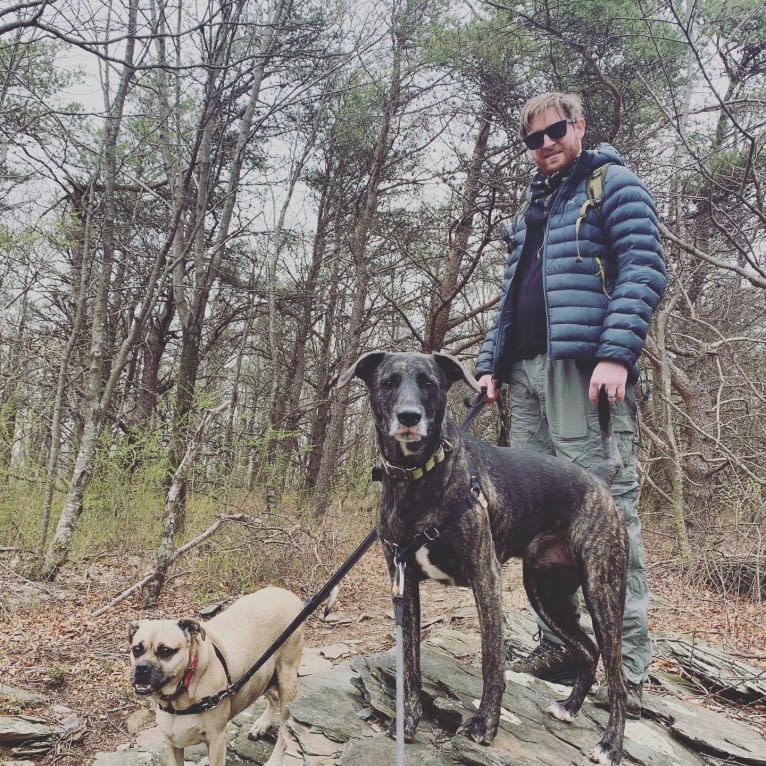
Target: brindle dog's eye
(138,650)
(390,382)
(427,383)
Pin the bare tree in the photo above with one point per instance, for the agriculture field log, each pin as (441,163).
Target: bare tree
(403,20)
(99,390)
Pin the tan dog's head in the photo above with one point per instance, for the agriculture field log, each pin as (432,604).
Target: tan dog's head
(160,653)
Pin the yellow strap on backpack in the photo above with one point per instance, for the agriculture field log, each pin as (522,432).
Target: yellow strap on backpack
(595,190)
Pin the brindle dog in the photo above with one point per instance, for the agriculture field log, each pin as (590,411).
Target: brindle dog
(560,519)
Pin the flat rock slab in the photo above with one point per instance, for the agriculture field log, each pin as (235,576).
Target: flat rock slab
(129,758)
(20,695)
(18,729)
(341,717)
(23,735)
(714,733)
(672,732)
(381,751)
(718,670)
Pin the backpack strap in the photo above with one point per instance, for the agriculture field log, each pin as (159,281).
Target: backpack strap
(595,188)
(596,183)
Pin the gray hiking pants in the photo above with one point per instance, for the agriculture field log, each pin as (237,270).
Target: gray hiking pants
(551,413)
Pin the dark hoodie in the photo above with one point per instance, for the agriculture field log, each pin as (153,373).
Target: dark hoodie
(529,327)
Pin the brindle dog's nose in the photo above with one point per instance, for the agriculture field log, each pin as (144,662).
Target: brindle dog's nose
(409,417)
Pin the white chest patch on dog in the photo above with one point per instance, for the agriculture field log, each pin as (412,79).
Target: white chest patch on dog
(430,570)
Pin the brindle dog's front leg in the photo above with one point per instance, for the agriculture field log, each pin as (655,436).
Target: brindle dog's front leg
(413,709)
(487,590)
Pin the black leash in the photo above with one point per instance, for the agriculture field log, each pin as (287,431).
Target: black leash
(476,402)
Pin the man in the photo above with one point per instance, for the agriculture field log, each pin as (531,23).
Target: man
(581,284)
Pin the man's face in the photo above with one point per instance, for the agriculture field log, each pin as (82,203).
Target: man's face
(554,155)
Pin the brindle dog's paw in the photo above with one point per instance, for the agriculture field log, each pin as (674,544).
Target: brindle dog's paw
(409,731)
(559,710)
(479,730)
(604,755)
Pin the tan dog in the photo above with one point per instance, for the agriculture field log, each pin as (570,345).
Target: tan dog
(182,662)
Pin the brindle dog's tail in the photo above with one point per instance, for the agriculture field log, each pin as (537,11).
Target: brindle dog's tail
(612,460)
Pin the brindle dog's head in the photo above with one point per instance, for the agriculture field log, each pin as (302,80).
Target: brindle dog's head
(161,651)
(408,395)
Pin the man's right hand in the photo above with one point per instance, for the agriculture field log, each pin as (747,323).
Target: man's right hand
(488,382)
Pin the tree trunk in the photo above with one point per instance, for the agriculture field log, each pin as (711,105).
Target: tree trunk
(334,435)
(321,414)
(288,412)
(186,382)
(674,456)
(95,401)
(449,287)
(174,501)
(83,204)
(192,304)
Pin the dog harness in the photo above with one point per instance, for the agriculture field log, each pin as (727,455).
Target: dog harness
(403,554)
(206,703)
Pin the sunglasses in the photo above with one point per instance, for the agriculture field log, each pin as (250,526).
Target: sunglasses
(555,132)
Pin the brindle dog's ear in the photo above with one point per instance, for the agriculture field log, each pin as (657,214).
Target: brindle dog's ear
(192,628)
(132,628)
(455,371)
(362,368)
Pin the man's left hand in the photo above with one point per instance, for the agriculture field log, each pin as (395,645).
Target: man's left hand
(612,376)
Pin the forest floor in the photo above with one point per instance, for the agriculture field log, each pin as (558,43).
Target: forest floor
(54,646)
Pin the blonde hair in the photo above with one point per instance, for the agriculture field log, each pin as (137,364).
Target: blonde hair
(569,105)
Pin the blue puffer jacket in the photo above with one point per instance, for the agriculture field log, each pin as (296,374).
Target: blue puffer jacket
(599,304)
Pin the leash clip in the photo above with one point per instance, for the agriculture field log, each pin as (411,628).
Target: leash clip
(214,699)
(397,584)
(397,581)
(397,590)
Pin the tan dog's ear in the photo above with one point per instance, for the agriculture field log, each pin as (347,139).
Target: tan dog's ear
(132,628)
(192,628)
(455,371)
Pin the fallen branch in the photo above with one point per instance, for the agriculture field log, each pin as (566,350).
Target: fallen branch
(176,554)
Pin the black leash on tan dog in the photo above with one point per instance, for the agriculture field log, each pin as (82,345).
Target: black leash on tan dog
(207,703)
